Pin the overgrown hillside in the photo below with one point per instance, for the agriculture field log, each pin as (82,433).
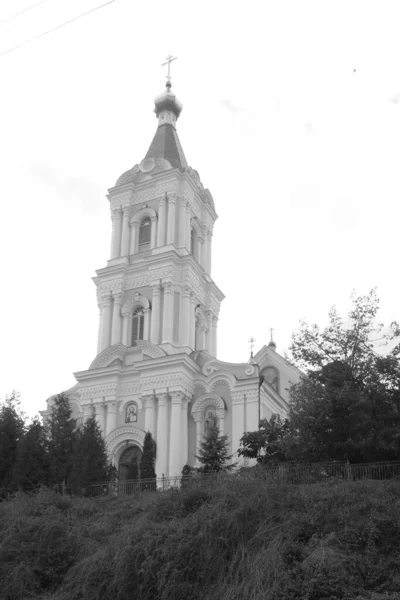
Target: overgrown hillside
(239,540)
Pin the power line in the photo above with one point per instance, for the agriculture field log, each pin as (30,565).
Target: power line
(24,10)
(55,28)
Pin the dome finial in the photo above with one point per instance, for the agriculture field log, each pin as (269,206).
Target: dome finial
(272,343)
(168,62)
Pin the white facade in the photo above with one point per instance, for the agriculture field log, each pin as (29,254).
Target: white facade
(156,367)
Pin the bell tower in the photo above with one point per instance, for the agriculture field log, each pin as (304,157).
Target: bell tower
(157,285)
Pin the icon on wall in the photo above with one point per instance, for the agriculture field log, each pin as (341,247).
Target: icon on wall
(131,413)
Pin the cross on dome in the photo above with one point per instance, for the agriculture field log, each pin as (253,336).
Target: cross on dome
(168,62)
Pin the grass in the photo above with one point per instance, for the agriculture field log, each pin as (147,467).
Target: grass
(236,540)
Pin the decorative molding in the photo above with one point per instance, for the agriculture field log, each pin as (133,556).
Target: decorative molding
(251,395)
(126,401)
(238,397)
(111,286)
(136,282)
(250,370)
(130,388)
(120,200)
(124,434)
(141,213)
(133,301)
(206,400)
(150,349)
(167,381)
(97,391)
(107,356)
(220,382)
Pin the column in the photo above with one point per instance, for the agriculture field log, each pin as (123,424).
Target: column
(155,315)
(105,321)
(208,345)
(192,322)
(185,323)
(168,313)
(111,416)
(214,336)
(125,230)
(199,434)
(153,221)
(208,264)
(146,324)
(150,415)
(125,330)
(99,408)
(87,412)
(175,448)
(184,429)
(204,249)
(221,421)
(100,326)
(237,419)
(116,233)
(162,208)
(188,227)
(116,319)
(197,248)
(252,416)
(134,237)
(162,436)
(171,219)
(182,222)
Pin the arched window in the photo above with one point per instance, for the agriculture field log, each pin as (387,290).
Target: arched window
(210,419)
(137,325)
(145,235)
(192,241)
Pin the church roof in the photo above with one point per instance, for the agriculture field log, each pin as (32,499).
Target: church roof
(166,145)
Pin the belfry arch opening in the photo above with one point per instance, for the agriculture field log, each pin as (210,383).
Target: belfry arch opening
(145,234)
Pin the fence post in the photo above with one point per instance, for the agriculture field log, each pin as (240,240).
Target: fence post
(163,482)
(348,471)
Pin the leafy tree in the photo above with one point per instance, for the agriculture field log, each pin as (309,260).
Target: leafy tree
(214,452)
(31,466)
(90,462)
(147,464)
(267,445)
(12,428)
(346,407)
(61,428)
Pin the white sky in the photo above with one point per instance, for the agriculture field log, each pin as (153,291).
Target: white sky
(291,116)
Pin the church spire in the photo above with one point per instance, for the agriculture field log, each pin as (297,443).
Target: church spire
(166,143)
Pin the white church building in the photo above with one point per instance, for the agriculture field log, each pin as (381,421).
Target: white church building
(156,367)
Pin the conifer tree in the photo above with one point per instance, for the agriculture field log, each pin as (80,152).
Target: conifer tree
(61,428)
(214,452)
(12,428)
(147,464)
(31,466)
(90,463)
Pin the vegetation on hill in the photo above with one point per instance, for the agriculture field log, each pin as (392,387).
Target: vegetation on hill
(233,540)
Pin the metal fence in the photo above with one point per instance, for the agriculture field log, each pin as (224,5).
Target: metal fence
(285,473)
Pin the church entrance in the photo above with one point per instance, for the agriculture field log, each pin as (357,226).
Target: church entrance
(129,464)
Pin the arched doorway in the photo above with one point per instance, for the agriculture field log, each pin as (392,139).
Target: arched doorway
(129,464)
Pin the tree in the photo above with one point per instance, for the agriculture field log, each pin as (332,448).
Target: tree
(147,464)
(214,452)
(12,428)
(31,466)
(267,444)
(61,428)
(90,462)
(346,407)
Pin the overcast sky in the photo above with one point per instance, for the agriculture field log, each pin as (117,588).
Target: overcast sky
(291,117)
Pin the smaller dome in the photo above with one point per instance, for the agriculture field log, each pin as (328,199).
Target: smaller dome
(168,101)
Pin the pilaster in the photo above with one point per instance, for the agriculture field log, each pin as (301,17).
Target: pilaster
(162,435)
(168,314)
(125,230)
(171,218)
(116,217)
(105,322)
(116,319)
(175,448)
(155,315)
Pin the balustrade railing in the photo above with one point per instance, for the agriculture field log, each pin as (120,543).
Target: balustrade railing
(284,473)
